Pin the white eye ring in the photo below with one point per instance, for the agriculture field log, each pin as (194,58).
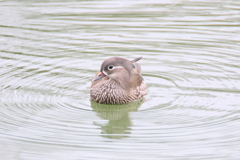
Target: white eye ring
(110,67)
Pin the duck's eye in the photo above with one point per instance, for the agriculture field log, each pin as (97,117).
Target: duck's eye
(110,67)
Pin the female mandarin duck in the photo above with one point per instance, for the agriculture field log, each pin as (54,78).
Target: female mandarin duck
(118,82)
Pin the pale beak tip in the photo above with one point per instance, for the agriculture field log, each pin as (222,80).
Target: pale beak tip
(99,76)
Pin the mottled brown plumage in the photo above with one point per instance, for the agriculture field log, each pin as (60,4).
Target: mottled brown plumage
(118,82)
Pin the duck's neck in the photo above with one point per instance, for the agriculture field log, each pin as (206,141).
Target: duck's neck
(121,82)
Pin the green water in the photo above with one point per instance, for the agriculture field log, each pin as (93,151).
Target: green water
(50,50)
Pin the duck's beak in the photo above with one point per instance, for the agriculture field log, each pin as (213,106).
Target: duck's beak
(99,76)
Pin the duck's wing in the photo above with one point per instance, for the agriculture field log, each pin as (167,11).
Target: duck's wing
(136,66)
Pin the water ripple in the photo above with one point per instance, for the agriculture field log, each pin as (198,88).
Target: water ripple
(51,50)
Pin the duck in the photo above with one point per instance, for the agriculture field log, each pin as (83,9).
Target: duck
(119,81)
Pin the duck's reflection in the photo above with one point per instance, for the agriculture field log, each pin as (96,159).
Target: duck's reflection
(119,125)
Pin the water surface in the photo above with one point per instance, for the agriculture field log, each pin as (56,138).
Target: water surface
(50,50)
